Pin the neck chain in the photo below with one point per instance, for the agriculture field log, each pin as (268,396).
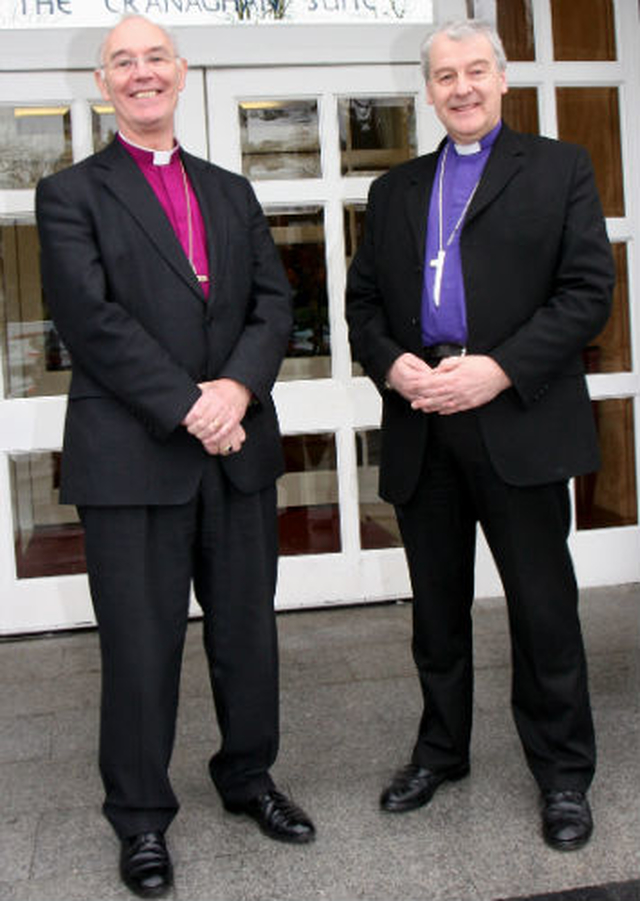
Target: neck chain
(438,262)
(187,197)
(464,210)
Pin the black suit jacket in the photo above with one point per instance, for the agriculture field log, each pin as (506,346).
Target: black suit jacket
(538,274)
(142,335)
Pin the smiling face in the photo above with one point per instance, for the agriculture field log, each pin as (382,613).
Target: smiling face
(142,77)
(465,86)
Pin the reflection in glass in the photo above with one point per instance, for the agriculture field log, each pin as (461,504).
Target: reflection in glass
(611,350)
(280,139)
(34,141)
(515,26)
(607,498)
(578,110)
(48,537)
(299,234)
(308,508)
(354,215)
(378,524)
(520,110)
(587,35)
(376,133)
(103,125)
(36,362)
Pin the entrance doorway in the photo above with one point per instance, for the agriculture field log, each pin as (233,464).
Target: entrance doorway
(311,138)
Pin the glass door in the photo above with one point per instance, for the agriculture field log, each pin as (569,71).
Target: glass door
(311,140)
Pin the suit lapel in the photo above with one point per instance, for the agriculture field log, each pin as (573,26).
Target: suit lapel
(123,179)
(505,161)
(211,201)
(417,199)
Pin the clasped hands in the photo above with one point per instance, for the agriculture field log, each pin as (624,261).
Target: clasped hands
(215,418)
(456,384)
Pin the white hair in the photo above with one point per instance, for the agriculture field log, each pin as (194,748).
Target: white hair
(460,30)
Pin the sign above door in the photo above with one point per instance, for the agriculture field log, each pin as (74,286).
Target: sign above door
(171,13)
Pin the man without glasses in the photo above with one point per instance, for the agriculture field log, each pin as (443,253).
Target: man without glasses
(484,272)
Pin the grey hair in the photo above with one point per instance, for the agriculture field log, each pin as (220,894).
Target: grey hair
(103,44)
(460,30)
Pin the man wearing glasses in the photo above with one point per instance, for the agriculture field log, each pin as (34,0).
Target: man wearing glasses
(167,289)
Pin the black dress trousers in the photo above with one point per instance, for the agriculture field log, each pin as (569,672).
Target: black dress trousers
(526,530)
(142,562)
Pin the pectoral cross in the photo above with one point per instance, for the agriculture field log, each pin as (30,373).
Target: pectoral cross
(438,265)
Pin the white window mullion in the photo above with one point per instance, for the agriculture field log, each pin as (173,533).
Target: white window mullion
(348,493)
(81,129)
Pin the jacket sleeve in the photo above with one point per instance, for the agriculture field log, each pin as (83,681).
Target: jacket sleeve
(261,345)
(104,340)
(579,301)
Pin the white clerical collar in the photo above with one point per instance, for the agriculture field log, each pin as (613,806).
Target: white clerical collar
(468,149)
(476,146)
(160,157)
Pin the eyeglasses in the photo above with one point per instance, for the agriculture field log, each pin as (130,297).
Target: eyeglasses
(156,61)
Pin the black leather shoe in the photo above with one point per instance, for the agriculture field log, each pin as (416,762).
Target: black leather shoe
(566,820)
(145,865)
(413,786)
(277,817)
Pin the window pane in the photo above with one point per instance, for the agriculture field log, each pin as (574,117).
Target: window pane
(48,537)
(378,524)
(36,362)
(515,26)
(299,235)
(578,110)
(308,509)
(375,133)
(103,124)
(587,34)
(611,350)
(520,110)
(34,141)
(280,139)
(607,498)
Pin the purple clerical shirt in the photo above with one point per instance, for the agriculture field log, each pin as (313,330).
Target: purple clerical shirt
(163,171)
(448,321)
